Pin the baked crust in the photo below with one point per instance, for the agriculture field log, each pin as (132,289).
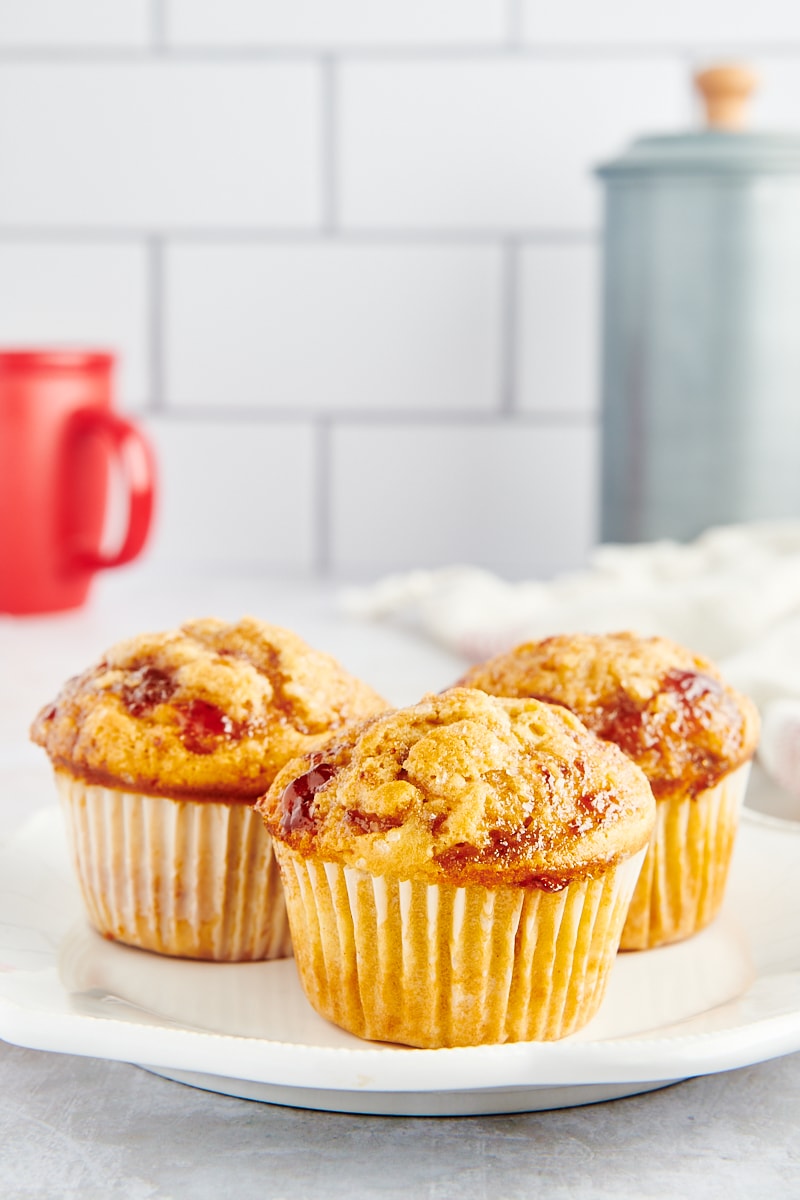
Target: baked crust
(667,708)
(465,788)
(211,709)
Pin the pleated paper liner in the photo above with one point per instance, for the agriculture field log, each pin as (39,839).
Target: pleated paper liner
(437,965)
(682,884)
(197,879)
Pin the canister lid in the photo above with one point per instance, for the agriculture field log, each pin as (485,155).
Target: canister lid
(723,148)
(708,153)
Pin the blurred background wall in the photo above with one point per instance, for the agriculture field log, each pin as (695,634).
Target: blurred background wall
(347,251)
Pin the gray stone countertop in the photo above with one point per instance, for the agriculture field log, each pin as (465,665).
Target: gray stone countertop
(85,1128)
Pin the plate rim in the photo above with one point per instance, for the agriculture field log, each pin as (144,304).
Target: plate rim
(381,1068)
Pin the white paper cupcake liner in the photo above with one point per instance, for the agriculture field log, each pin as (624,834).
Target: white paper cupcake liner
(685,872)
(197,879)
(438,965)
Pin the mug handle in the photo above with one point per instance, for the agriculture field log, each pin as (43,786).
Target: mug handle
(134,452)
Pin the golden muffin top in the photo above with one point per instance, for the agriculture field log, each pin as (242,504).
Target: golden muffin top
(210,709)
(666,707)
(467,788)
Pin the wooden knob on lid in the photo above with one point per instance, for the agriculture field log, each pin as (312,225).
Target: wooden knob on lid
(725,91)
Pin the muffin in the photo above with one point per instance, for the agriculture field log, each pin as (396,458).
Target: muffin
(458,872)
(692,735)
(160,751)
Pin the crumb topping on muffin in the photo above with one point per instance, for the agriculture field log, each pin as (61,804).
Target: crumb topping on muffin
(667,708)
(211,708)
(467,788)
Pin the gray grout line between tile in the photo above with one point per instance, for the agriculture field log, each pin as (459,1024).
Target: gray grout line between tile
(268,236)
(323,496)
(158,26)
(409,53)
(155,324)
(509,329)
(514,24)
(375,418)
(329,145)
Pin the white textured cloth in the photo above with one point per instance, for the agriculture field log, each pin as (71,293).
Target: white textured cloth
(733,594)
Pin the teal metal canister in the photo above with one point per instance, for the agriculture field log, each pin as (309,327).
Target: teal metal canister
(701,331)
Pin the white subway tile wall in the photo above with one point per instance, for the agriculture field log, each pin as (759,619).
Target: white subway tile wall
(160,144)
(347,252)
(58,23)
(57,294)
(493,143)
(336,22)
(333,327)
(681,23)
(523,493)
(238,496)
(558,307)
(776,104)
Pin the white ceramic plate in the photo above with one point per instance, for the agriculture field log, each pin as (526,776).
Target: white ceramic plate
(724,999)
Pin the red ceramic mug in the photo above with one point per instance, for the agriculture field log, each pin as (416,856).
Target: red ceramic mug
(58,440)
